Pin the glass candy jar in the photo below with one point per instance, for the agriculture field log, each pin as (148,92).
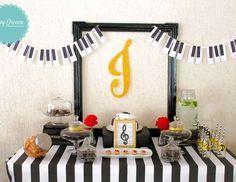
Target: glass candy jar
(170,152)
(176,131)
(75,133)
(187,109)
(37,145)
(57,109)
(87,152)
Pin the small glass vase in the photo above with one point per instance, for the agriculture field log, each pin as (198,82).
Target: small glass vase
(92,138)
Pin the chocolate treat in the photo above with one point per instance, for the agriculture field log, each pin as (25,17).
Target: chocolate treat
(170,155)
(88,155)
(170,152)
(59,112)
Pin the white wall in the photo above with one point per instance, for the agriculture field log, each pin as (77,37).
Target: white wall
(25,88)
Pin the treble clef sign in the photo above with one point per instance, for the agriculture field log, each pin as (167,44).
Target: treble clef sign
(124,136)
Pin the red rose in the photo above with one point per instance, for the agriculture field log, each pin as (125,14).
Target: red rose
(90,120)
(162,123)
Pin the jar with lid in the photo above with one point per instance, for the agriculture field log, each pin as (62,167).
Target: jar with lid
(187,109)
(170,152)
(57,109)
(37,145)
(177,131)
(75,133)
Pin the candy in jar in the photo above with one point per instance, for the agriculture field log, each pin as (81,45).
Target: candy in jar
(37,145)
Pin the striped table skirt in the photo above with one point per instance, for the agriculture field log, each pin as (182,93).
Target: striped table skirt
(59,165)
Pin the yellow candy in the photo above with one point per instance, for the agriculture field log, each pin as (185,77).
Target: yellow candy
(76,128)
(176,129)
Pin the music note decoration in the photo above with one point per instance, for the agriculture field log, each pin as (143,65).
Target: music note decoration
(124,136)
(124,133)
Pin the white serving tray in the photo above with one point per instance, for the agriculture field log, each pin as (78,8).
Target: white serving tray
(103,153)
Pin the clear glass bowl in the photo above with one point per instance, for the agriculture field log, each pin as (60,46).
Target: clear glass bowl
(76,133)
(176,131)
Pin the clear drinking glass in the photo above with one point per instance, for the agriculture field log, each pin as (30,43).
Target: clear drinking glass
(187,109)
(221,151)
(206,147)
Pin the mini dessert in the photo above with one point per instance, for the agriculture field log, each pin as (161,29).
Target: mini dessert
(117,152)
(134,152)
(108,152)
(143,152)
(125,152)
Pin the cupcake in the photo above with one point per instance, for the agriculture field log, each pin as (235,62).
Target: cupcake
(134,152)
(143,152)
(125,152)
(108,152)
(117,152)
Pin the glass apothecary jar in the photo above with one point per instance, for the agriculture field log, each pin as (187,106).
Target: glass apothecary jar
(170,152)
(37,145)
(57,109)
(75,133)
(187,110)
(177,131)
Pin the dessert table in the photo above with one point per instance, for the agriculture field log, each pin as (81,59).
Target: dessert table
(60,166)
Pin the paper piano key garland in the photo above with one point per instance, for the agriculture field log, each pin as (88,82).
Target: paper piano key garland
(54,57)
(92,40)
(177,49)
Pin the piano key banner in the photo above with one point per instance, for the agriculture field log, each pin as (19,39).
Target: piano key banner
(194,53)
(92,40)
(60,166)
(54,57)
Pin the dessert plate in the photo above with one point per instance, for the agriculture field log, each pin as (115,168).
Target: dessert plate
(125,153)
(110,128)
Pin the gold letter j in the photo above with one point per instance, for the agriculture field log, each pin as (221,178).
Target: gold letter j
(126,70)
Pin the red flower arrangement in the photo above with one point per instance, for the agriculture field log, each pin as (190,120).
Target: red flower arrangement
(90,120)
(162,123)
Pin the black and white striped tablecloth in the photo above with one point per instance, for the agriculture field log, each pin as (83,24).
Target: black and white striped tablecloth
(59,165)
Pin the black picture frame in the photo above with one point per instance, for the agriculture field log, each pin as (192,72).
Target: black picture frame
(80,27)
